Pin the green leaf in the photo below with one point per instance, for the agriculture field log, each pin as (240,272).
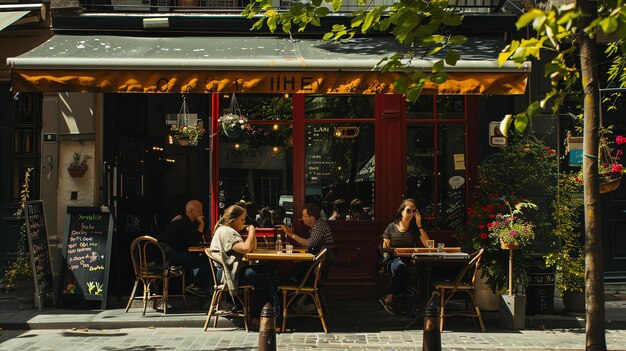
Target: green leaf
(414,92)
(401,85)
(505,124)
(337,5)
(434,51)
(258,24)
(437,67)
(439,77)
(457,39)
(533,109)
(271,23)
(452,57)
(507,52)
(609,25)
(287,27)
(528,17)
(322,11)
(521,122)
(316,3)
(328,36)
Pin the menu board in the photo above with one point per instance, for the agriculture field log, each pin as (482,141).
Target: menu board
(317,163)
(39,251)
(85,267)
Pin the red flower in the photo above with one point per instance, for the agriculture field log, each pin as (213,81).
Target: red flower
(483,236)
(620,139)
(616,167)
(551,152)
(482,226)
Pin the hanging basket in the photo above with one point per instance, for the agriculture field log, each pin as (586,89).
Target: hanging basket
(183,141)
(232,133)
(76,172)
(505,246)
(609,183)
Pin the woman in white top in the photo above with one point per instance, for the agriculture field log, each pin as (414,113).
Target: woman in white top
(229,247)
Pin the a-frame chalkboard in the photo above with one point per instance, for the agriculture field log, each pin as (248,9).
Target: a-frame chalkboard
(84,270)
(37,234)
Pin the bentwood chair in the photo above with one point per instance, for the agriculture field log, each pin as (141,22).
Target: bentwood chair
(219,288)
(464,283)
(291,293)
(152,268)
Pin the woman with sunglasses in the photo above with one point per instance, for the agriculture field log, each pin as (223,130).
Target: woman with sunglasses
(405,231)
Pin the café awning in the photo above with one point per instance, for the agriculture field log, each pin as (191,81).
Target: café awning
(107,63)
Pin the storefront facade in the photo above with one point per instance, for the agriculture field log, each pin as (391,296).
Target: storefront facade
(322,127)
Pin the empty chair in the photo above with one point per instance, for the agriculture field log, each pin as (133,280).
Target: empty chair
(464,283)
(292,292)
(152,268)
(219,288)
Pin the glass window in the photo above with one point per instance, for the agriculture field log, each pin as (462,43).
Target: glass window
(259,107)
(451,107)
(423,108)
(339,169)
(257,167)
(421,170)
(451,159)
(339,106)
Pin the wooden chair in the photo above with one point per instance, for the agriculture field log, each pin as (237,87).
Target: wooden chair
(463,283)
(219,288)
(291,293)
(152,268)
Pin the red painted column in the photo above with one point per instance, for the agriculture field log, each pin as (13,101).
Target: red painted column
(390,114)
(297,130)
(214,163)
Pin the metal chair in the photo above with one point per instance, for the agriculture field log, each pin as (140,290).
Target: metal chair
(219,288)
(463,283)
(294,291)
(151,268)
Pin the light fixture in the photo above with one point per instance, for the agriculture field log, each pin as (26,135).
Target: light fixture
(158,22)
(275,149)
(170,139)
(237,146)
(346,132)
(275,127)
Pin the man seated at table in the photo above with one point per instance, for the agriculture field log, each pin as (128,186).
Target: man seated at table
(320,237)
(184,231)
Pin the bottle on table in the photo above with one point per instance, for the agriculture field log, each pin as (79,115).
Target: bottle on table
(279,244)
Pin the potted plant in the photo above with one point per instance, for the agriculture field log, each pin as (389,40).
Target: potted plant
(18,275)
(78,166)
(187,135)
(512,232)
(568,257)
(233,125)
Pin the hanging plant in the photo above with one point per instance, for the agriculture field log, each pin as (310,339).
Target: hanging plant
(233,122)
(187,135)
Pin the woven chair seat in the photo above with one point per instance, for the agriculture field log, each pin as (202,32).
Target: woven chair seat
(450,285)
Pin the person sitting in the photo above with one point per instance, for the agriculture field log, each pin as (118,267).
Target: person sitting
(356,210)
(340,210)
(405,231)
(278,216)
(228,247)
(265,218)
(182,232)
(320,237)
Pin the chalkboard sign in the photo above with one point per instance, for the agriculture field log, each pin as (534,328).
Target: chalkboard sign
(85,265)
(37,234)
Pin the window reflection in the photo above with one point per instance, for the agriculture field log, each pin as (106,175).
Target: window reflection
(339,106)
(257,167)
(451,164)
(339,169)
(259,107)
(421,169)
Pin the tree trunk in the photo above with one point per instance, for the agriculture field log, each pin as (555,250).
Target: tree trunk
(594,265)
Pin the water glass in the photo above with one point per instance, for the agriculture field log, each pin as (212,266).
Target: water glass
(289,248)
(430,244)
(440,247)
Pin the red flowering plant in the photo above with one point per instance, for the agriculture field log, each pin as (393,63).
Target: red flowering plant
(524,170)
(510,228)
(610,167)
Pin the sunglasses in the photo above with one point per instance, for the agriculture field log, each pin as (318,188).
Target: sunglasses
(408,210)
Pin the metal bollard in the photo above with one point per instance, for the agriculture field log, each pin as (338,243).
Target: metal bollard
(267,328)
(432,337)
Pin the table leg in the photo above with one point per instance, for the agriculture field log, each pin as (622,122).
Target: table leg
(422,300)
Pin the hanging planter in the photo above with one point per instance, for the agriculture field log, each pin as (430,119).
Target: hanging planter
(188,129)
(233,123)
(505,246)
(610,182)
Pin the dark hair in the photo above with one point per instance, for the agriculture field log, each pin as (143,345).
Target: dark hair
(231,213)
(356,209)
(403,205)
(278,215)
(312,209)
(265,218)
(251,208)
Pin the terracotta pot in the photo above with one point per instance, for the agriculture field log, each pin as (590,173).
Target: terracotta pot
(609,183)
(506,246)
(76,172)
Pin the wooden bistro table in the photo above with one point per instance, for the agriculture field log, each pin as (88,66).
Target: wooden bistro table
(427,258)
(266,255)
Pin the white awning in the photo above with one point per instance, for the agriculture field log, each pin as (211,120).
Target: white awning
(7,18)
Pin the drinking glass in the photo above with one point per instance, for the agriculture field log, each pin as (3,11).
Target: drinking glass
(289,248)
(430,243)
(440,247)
